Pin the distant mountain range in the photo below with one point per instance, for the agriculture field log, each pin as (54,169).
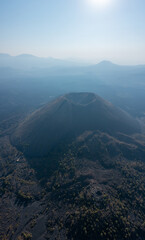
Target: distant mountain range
(28,61)
(27,82)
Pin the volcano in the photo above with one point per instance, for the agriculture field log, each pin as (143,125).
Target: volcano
(67,117)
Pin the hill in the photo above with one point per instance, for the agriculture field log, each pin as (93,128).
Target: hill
(65,118)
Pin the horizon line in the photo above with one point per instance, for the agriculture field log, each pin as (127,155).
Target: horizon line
(73,59)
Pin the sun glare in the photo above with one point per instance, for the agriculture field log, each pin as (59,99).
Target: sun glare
(99,3)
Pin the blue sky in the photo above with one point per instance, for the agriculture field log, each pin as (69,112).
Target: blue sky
(74,29)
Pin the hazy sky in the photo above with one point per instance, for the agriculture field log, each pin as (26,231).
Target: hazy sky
(114,30)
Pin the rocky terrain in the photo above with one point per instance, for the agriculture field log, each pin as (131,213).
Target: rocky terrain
(88,185)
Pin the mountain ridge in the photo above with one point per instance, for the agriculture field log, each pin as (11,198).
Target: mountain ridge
(103,63)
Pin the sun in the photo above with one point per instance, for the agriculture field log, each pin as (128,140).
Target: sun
(99,3)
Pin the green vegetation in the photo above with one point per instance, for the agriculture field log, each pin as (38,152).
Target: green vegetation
(117,212)
(96,192)
(25,236)
(24,197)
